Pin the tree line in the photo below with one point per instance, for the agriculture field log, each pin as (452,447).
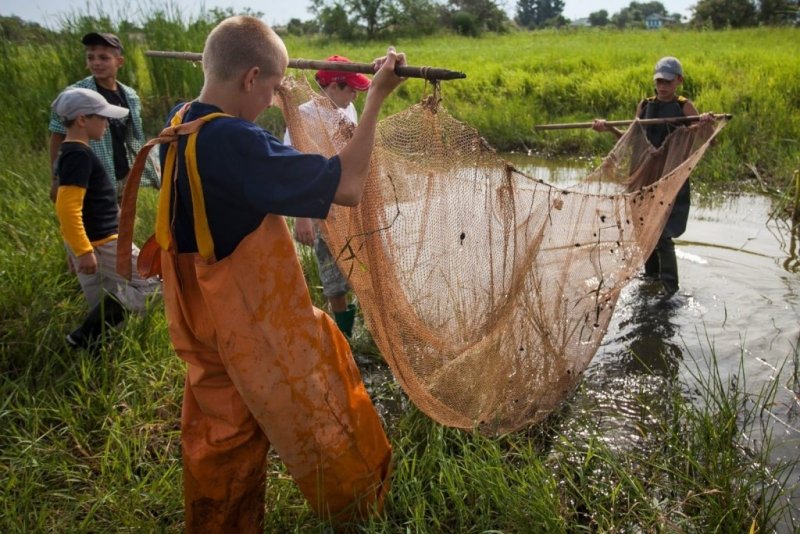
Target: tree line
(372,19)
(353,19)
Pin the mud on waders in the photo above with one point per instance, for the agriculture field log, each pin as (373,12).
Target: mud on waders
(265,368)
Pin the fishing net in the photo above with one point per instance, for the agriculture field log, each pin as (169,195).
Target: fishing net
(487,290)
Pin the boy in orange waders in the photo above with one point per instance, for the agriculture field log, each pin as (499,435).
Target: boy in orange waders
(265,368)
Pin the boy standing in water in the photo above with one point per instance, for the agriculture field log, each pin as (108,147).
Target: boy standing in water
(662,264)
(341,88)
(265,368)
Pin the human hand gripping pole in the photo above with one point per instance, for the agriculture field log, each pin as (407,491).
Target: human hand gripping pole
(386,78)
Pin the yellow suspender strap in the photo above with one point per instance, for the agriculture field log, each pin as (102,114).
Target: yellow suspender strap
(205,243)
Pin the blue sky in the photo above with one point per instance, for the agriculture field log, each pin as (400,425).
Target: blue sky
(47,12)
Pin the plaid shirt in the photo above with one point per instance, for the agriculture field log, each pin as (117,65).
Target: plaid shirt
(134,138)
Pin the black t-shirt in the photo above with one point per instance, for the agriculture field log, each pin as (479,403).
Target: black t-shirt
(118,129)
(77,165)
(656,109)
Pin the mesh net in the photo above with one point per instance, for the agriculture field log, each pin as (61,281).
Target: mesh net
(488,291)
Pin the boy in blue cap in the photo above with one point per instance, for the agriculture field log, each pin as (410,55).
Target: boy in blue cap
(662,265)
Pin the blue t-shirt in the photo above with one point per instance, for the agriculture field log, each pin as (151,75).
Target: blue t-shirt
(246,174)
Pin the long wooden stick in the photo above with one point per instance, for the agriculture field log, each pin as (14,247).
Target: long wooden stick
(568,125)
(406,71)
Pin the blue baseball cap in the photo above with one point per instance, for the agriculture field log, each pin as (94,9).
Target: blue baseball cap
(667,68)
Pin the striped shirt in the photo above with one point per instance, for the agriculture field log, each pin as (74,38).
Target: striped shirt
(134,138)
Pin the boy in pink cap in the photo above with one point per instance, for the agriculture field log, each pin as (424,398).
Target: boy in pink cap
(342,89)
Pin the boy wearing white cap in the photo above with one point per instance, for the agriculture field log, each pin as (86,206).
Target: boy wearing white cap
(341,88)
(662,265)
(87,211)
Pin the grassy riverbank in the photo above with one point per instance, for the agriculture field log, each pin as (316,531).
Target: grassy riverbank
(90,443)
(514,82)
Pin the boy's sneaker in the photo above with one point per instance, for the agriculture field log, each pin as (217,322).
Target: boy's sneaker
(76,341)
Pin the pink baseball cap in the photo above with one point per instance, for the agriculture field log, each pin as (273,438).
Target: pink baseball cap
(356,80)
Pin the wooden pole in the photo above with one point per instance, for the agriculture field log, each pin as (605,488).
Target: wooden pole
(671,120)
(405,71)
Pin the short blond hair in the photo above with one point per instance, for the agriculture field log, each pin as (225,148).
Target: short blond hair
(240,43)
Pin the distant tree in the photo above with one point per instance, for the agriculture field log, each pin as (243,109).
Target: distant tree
(539,13)
(777,12)
(297,26)
(348,19)
(489,15)
(527,13)
(636,12)
(599,18)
(345,18)
(415,17)
(724,13)
(16,30)
(465,23)
(334,21)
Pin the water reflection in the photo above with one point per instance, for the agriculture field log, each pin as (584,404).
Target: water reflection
(739,298)
(639,361)
(646,333)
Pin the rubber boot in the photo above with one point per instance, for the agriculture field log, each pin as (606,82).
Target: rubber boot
(652,267)
(345,320)
(106,314)
(669,268)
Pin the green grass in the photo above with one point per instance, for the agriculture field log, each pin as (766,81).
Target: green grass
(90,443)
(514,82)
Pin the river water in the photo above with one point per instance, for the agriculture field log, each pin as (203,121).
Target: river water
(739,302)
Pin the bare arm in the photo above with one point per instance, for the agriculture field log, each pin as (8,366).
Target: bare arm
(355,156)
(689,109)
(599,125)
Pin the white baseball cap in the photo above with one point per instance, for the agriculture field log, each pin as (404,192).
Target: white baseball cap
(77,101)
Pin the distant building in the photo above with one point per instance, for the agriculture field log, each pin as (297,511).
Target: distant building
(655,21)
(580,23)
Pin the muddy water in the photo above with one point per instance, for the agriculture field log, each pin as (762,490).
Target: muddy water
(739,302)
